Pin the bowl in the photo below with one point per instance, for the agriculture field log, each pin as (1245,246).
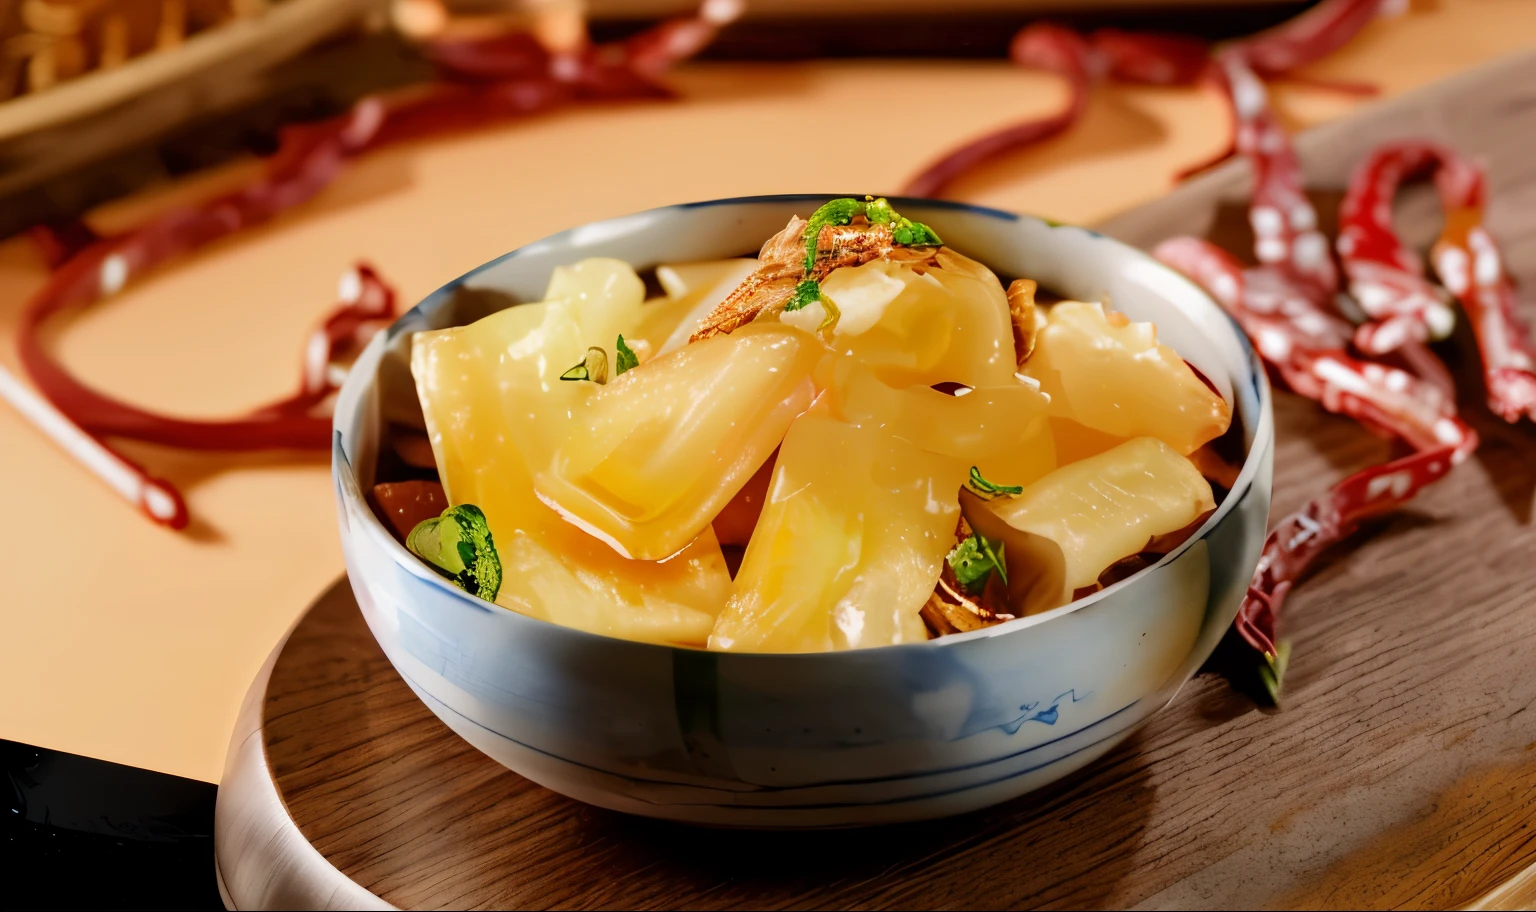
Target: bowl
(841,739)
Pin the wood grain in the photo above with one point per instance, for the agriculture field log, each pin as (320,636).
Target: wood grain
(1401,772)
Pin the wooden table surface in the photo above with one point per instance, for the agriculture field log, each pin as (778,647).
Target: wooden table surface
(134,644)
(1401,772)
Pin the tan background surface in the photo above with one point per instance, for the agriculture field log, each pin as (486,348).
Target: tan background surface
(134,644)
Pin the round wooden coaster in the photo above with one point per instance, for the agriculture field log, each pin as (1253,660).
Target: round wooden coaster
(343,791)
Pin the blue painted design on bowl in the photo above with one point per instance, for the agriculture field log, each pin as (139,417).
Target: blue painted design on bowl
(1034,712)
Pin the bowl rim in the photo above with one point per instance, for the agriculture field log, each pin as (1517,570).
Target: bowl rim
(1262,437)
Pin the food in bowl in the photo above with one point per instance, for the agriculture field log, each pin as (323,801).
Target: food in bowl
(618,705)
(860,438)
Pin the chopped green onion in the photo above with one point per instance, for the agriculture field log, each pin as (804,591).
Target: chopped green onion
(832,212)
(989,489)
(624,358)
(914,234)
(593,367)
(904,231)
(974,559)
(806,294)
(458,545)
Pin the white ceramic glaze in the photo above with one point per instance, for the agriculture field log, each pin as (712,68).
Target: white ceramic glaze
(836,739)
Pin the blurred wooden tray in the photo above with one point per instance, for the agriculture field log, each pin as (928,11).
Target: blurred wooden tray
(56,130)
(223,95)
(1401,774)
(285,29)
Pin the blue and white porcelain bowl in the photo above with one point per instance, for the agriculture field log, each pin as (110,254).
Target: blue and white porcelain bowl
(837,739)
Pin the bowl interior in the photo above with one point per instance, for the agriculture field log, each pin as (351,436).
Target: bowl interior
(379,396)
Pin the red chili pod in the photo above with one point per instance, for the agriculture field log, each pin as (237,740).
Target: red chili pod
(1509,360)
(502,77)
(657,49)
(1299,538)
(106,266)
(1283,306)
(1386,278)
(455,108)
(1468,261)
(1167,60)
(1278,52)
(1283,220)
(1039,46)
(1306,347)
(1286,304)
(367,307)
(1155,60)
(495,58)
(1311,36)
(58,241)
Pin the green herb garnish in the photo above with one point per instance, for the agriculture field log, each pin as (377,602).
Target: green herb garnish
(914,234)
(879,211)
(904,232)
(834,212)
(974,559)
(624,358)
(990,489)
(593,367)
(458,545)
(806,294)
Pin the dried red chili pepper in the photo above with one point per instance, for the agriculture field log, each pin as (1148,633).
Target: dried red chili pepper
(1165,60)
(1309,37)
(1306,347)
(1284,305)
(492,59)
(1039,46)
(1278,52)
(498,77)
(59,241)
(1299,538)
(1283,220)
(1469,263)
(1386,278)
(655,50)
(367,306)
(1388,281)
(1107,53)
(1152,60)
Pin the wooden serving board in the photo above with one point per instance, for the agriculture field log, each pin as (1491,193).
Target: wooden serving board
(1400,773)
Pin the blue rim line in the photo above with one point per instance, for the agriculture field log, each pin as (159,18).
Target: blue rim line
(770,789)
